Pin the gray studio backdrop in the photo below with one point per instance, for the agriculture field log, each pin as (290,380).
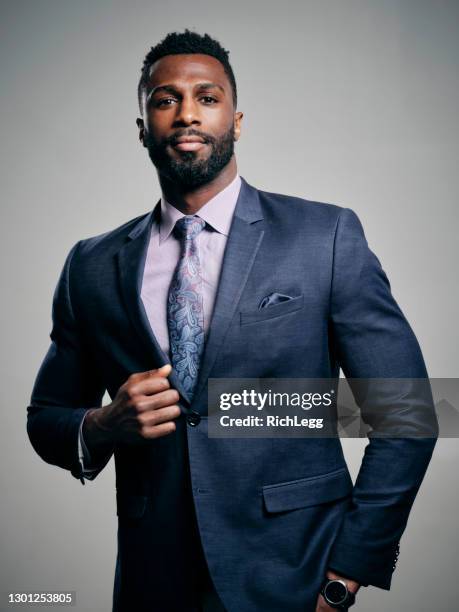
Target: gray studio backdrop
(345,101)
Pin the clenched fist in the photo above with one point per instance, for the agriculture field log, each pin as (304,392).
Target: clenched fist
(144,408)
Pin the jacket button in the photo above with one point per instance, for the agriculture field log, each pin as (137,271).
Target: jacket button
(193,418)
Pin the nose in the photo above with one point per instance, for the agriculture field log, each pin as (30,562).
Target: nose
(187,112)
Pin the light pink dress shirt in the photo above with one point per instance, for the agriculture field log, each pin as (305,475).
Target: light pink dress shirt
(162,258)
(164,252)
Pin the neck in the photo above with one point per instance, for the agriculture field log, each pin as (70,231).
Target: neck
(190,201)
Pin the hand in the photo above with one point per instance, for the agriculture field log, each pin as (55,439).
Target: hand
(144,408)
(321,605)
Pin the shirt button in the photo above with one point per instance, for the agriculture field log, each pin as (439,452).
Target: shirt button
(193,418)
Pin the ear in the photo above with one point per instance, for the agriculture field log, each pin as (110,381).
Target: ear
(237,124)
(141,126)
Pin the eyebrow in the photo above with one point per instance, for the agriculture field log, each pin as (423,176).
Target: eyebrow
(173,90)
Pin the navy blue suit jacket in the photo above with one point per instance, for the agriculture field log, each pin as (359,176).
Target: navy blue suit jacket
(272,514)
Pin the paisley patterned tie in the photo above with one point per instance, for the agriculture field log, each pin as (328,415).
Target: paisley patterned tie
(185,315)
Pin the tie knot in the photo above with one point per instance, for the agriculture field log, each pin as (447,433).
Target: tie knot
(188,227)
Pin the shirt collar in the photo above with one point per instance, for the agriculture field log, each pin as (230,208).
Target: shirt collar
(217,212)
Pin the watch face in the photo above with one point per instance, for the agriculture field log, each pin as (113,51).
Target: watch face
(335,592)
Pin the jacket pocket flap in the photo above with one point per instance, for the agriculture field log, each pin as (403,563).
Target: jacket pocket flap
(270,312)
(306,492)
(131,506)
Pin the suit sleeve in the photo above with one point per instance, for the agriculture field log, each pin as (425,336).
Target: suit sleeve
(68,384)
(374,341)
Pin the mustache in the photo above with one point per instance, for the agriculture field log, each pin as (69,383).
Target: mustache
(172,140)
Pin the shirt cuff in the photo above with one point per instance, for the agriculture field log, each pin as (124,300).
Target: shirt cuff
(84,455)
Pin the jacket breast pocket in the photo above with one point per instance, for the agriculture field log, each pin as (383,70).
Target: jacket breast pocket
(270,312)
(306,492)
(130,506)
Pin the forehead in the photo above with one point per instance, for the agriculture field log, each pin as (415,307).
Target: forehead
(186,69)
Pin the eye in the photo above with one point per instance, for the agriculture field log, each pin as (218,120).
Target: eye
(165,102)
(209,99)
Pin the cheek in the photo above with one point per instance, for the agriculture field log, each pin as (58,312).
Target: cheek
(159,123)
(220,120)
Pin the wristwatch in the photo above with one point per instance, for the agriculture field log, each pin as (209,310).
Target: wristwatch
(336,594)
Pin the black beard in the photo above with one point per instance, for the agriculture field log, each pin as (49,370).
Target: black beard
(188,172)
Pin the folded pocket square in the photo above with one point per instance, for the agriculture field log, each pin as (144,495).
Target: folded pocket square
(274,298)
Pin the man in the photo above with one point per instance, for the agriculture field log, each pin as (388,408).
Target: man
(222,280)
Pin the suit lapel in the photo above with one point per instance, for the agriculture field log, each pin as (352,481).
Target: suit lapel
(131,262)
(244,240)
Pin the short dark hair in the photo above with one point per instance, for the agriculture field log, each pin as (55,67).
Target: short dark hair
(176,43)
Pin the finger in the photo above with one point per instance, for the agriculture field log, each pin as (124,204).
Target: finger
(148,386)
(155,417)
(157,400)
(161,372)
(157,431)
(164,370)
(322,605)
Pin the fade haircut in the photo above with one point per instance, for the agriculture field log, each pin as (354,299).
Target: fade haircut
(176,43)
